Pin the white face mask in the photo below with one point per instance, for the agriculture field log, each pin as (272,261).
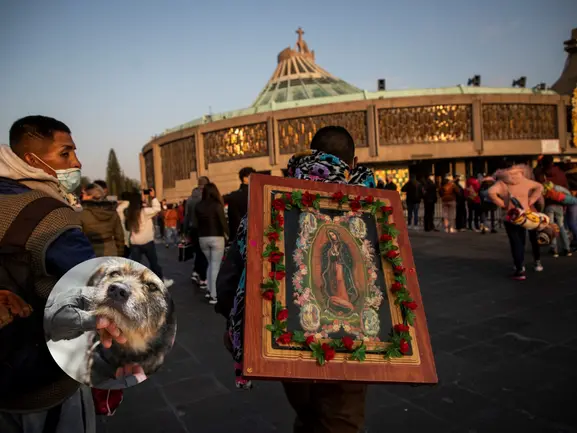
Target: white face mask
(69,178)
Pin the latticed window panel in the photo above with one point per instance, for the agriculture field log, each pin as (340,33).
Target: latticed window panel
(519,122)
(247,141)
(178,160)
(149,167)
(426,124)
(295,135)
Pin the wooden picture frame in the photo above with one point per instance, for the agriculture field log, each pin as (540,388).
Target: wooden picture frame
(305,294)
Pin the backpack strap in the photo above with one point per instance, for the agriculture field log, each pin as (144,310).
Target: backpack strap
(27,220)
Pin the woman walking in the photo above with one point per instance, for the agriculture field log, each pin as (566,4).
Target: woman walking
(448,193)
(212,231)
(139,223)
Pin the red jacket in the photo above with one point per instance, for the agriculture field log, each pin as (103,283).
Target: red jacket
(472,190)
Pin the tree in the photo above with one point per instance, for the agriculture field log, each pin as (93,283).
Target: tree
(114,175)
(116,180)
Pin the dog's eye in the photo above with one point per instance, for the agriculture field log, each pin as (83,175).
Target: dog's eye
(152,287)
(114,274)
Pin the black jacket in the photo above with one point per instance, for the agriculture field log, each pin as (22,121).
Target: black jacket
(391,186)
(430,189)
(237,202)
(414,191)
(210,219)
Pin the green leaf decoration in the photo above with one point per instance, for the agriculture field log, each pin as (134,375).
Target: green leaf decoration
(280,267)
(336,344)
(318,353)
(277,306)
(299,337)
(271,327)
(360,353)
(277,333)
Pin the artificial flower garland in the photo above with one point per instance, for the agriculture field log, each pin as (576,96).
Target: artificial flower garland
(325,351)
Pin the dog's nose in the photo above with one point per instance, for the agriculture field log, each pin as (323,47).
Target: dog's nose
(118,292)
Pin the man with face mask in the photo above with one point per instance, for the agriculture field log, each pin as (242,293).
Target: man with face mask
(38,172)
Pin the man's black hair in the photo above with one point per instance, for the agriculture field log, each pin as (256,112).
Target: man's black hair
(33,128)
(547,161)
(101,184)
(335,140)
(125,196)
(245,172)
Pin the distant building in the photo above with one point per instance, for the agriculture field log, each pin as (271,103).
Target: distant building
(460,129)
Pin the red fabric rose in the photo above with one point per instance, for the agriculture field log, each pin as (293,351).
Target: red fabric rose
(393,254)
(398,270)
(279,219)
(355,205)
(282,315)
(401,328)
(268,295)
(277,275)
(310,340)
(328,351)
(396,286)
(278,204)
(348,342)
(288,197)
(275,257)
(273,236)
(307,199)
(385,238)
(285,338)
(338,196)
(404,346)
(369,199)
(386,209)
(410,305)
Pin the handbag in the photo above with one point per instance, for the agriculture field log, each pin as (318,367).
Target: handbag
(185,251)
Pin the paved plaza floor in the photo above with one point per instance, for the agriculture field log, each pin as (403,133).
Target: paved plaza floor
(506,355)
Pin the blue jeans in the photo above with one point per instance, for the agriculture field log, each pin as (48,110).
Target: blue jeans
(413,214)
(149,251)
(213,249)
(571,217)
(171,235)
(555,214)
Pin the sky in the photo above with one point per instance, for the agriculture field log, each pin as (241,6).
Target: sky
(119,72)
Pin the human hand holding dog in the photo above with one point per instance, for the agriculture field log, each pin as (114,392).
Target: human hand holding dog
(65,318)
(108,331)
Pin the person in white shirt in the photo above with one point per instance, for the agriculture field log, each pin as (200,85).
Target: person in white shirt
(121,208)
(139,223)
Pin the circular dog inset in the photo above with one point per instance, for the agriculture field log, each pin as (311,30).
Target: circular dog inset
(109,323)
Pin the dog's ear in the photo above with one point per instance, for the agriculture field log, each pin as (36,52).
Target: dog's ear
(96,276)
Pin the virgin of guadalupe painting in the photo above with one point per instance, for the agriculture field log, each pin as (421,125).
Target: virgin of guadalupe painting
(337,275)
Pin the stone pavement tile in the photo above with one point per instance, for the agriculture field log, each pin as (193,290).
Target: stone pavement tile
(559,359)
(449,342)
(504,324)
(510,384)
(557,403)
(194,389)
(175,371)
(514,344)
(497,420)
(404,417)
(572,343)
(451,368)
(159,421)
(453,404)
(477,332)
(481,355)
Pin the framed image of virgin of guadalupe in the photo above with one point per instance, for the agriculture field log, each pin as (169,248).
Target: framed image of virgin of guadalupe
(331,291)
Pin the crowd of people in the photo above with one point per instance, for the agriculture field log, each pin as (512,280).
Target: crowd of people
(39,171)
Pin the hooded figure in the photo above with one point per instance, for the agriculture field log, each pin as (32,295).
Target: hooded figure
(101,223)
(320,166)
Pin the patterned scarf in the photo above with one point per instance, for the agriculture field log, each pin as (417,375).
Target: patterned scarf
(310,165)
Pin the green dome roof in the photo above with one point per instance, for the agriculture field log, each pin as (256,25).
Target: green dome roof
(298,77)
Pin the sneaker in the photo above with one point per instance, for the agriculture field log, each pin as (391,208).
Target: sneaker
(195,278)
(519,275)
(167,282)
(568,253)
(555,254)
(213,301)
(207,295)
(538,266)
(494,231)
(452,230)
(203,284)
